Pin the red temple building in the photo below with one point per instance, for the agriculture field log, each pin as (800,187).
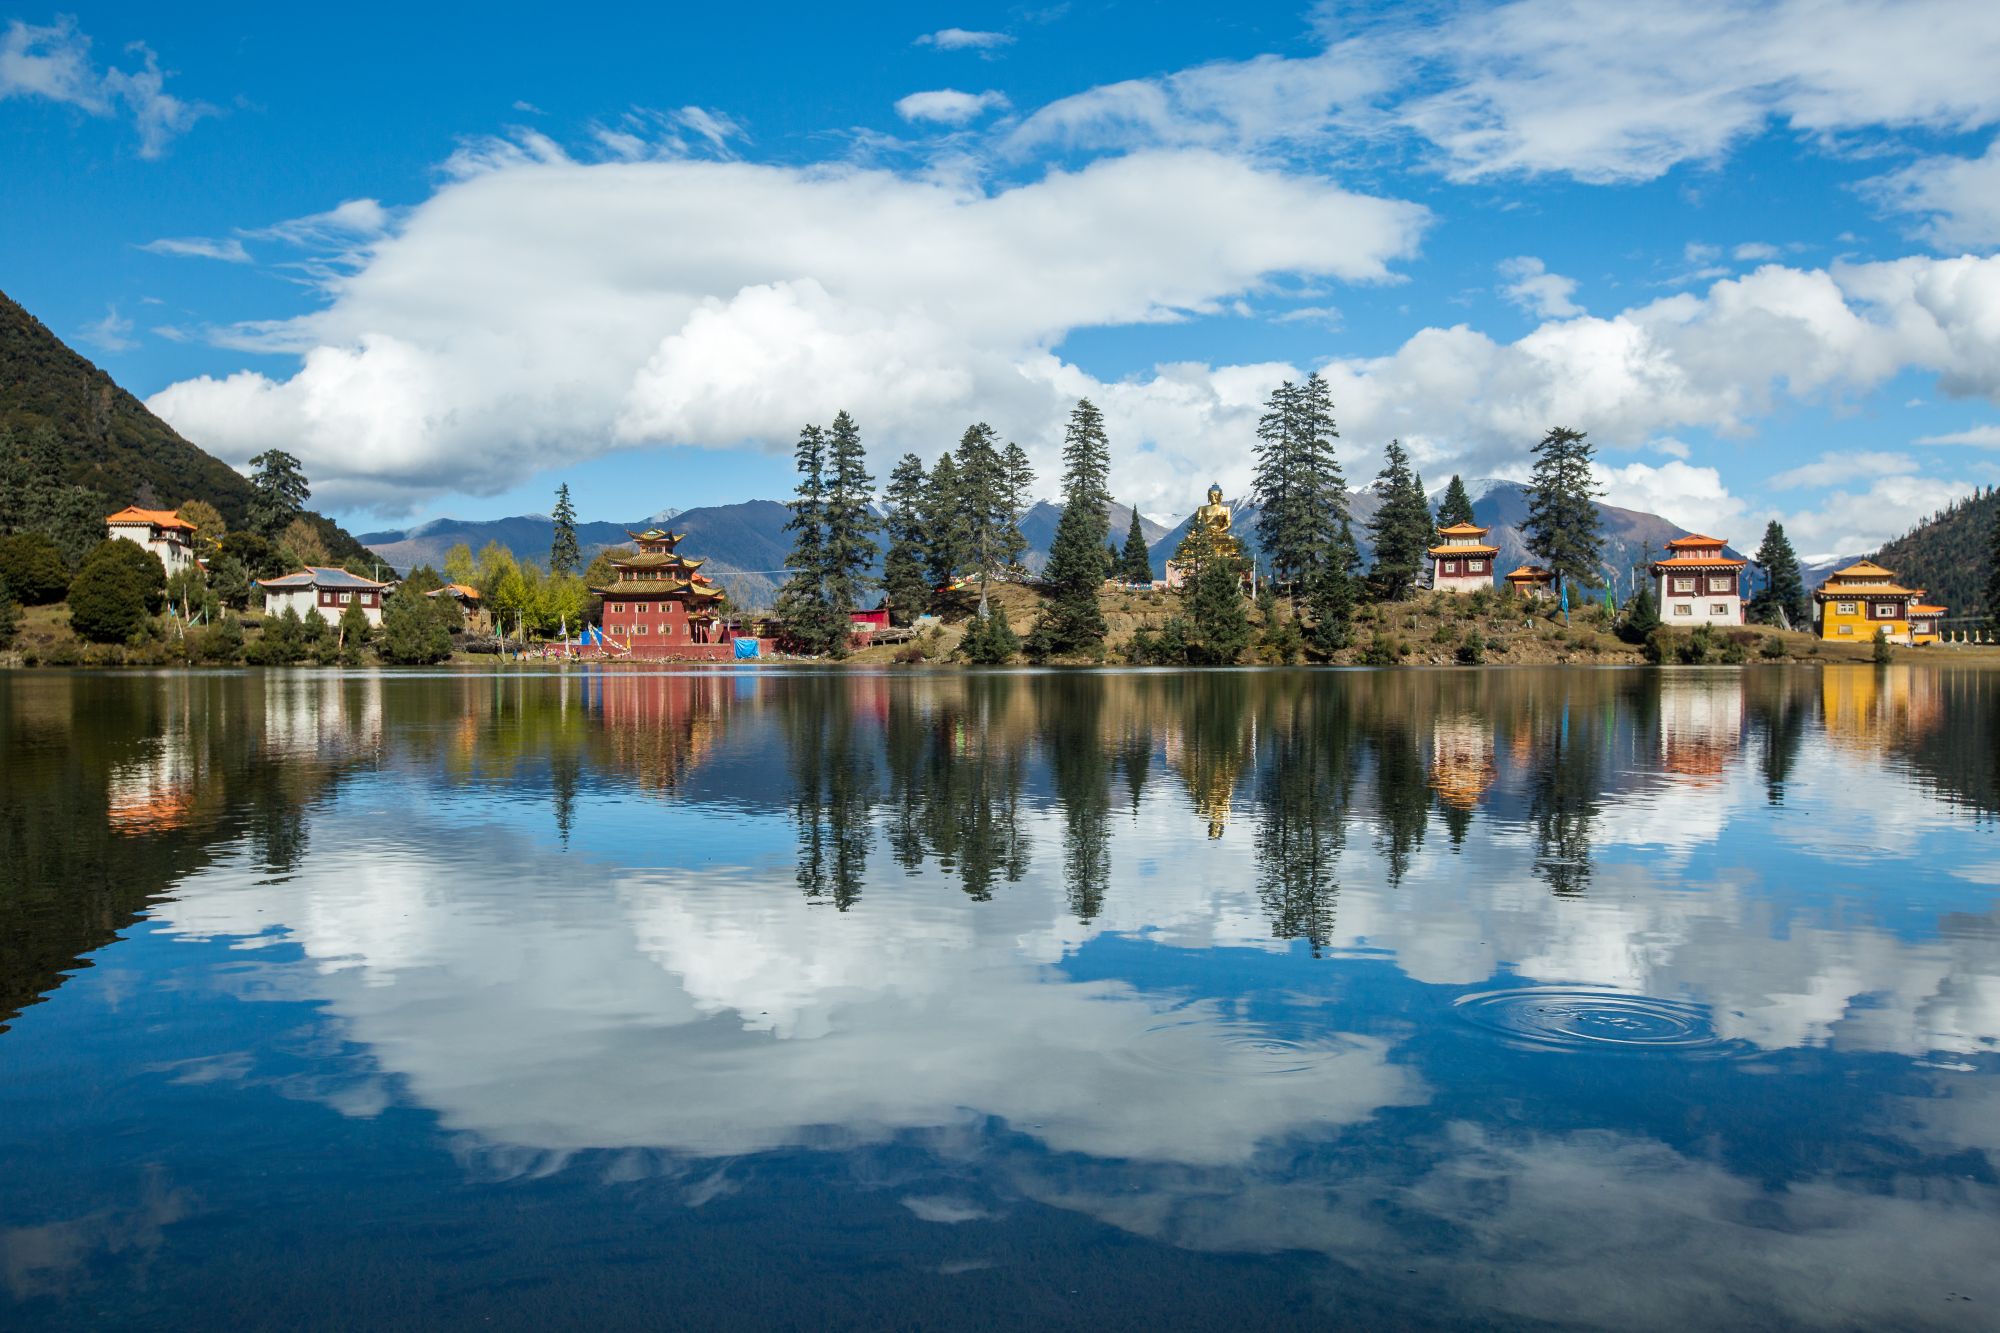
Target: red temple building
(660,604)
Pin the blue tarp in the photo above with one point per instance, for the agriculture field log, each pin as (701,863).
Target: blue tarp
(746,648)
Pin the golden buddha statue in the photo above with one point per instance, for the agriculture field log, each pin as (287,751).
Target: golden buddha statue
(1215,513)
(1208,536)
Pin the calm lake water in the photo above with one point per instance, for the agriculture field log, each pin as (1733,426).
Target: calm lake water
(1511,998)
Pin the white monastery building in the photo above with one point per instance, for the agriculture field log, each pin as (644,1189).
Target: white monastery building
(327,591)
(161,531)
(1698,584)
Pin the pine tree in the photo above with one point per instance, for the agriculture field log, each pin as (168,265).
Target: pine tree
(1782,599)
(1020,486)
(1456,506)
(905,584)
(848,544)
(1298,487)
(1331,594)
(1562,527)
(280,492)
(10,615)
(802,602)
(989,639)
(1401,526)
(1218,616)
(986,491)
(1993,576)
(1135,566)
(565,557)
(945,537)
(1071,620)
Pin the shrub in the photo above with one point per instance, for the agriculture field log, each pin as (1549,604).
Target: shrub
(280,642)
(1883,654)
(33,567)
(1771,649)
(354,633)
(1735,652)
(1472,651)
(1381,651)
(10,616)
(220,643)
(909,655)
(413,634)
(1443,634)
(116,592)
(989,640)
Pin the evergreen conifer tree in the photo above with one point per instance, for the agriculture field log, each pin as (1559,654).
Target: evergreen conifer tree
(1331,594)
(1218,615)
(1298,487)
(989,639)
(1071,620)
(848,542)
(1401,526)
(1642,615)
(1563,527)
(280,492)
(1993,577)
(10,615)
(1782,599)
(565,557)
(905,583)
(985,493)
(1456,507)
(1135,565)
(1020,487)
(945,539)
(802,602)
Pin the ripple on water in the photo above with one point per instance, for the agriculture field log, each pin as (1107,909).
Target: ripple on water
(1236,1048)
(1582,1019)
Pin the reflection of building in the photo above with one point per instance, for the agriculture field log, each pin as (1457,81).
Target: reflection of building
(1701,726)
(1857,601)
(659,727)
(157,792)
(327,591)
(1698,584)
(161,531)
(659,604)
(1462,561)
(1461,761)
(1532,581)
(1866,706)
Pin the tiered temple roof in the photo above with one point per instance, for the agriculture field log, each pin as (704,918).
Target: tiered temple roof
(1464,539)
(657,571)
(1864,578)
(1696,551)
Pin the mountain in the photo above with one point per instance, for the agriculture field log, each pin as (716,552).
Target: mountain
(114,446)
(1949,555)
(1038,525)
(526,535)
(1630,536)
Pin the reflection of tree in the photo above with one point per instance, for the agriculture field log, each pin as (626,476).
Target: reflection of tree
(1305,783)
(834,777)
(1072,709)
(1779,713)
(1564,793)
(1402,792)
(956,765)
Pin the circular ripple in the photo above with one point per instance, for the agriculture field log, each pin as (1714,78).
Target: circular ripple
(1576,1018)
(1231,1048)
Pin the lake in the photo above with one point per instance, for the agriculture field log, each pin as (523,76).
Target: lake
(768,999)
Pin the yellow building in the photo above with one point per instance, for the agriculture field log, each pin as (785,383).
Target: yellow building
(1864,597)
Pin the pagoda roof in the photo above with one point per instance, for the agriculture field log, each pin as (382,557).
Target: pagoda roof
(1532,574)
(655,535)
(641,589)
(1919,609)
(657,560)
(1464,530)
(1699,562)
(1862,569)
(1468,549)
(159,518)
(1694,539)
(460,590)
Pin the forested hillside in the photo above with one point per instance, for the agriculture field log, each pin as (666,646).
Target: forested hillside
(112,443)
(1949,555)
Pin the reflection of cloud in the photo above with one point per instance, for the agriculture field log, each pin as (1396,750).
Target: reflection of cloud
(54,1258)
(723,1013)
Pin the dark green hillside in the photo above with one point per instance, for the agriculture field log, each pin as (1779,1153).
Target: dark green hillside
(114,445)
(1948,555)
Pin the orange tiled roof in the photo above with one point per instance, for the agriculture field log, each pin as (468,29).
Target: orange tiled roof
(1861,569)
(1465,550)
(1532,574)
(159,518)
(1699,562)
(1834,589)
(1464,530)
(1695,539)
(1928,610)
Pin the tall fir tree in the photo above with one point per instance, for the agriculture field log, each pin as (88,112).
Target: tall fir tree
(1782,599)
(1563,529)
(848,517)
(945,537)
(1135,565)
(1020,476)
(1993,577)
(565,556)
(1401,526)
(1456,507)
(905,582)
(1298,487)
(1071,620)
(986,490)
(802,603)
(280,492)
(1331,594)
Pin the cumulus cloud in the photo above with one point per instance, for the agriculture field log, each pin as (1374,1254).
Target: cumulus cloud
(53,63)
(964,39)
(228,249)
(538,309)
(950,106)
(1531,286)
(1955,199)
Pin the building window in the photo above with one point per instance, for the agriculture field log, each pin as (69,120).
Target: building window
(1448,566)
(1885,610)
(346,597)
(638,629)
(617,608)
(1718,608)
(1846,629)
(1722,583)
(1476,566)
(1843,608)
(1683,609)
(1683,585)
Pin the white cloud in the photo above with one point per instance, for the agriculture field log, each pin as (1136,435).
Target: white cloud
(1751,252)
(950,106)
(1985,437)
(53,63)
(1856,520)
(1536,290)
(538,309)
(1831,469)
(228,249)
(1956,198)
(113,333)
(1694,497)
(964,39)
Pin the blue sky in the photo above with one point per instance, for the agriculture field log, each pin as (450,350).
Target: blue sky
(1749,247)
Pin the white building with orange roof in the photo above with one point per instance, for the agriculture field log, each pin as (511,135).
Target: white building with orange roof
(1462,561)
(161,531)
(1697,584)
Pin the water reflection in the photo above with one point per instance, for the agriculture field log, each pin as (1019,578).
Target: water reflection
(1698,979)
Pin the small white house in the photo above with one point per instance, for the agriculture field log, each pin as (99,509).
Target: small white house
(327,591)
(161,531)
(1698,584)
